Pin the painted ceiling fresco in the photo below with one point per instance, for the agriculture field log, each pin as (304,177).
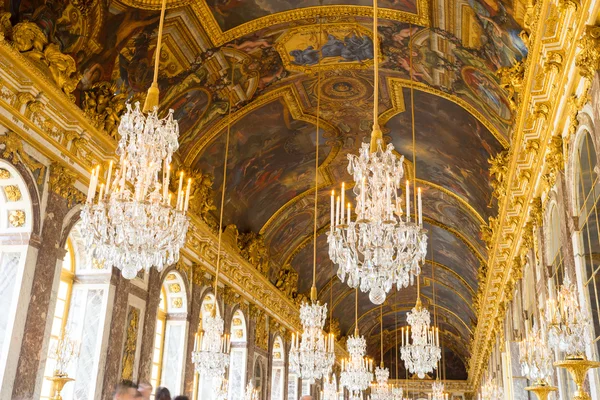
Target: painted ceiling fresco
(262,57)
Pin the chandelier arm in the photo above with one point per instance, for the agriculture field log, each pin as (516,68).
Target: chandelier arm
(223,191)
(153,92)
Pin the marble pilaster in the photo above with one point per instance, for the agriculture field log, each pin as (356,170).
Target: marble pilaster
(149,328)
(32,356)
(112,371)
(193,319)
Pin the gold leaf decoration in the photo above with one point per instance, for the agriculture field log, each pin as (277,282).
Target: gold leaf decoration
(13,193)
(177,302)
(174,288)
(4,174)
(130,343)
(16,218)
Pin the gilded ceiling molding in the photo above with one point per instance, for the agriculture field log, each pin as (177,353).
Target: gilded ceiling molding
(458,234)
(218,37)
(326,181)
(394,87)
(526,162)
(290,96)
(458,101)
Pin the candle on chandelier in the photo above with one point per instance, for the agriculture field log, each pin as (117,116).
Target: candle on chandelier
(201,340)
(91,187)
(420,207)
(332,225)
(179,190)
(101,192)
(187,195)
(348,221)
(407,201)
(337,211)
(167,174)
(437,336)
(343,202)
(402,335)
(196,341)
(108,177)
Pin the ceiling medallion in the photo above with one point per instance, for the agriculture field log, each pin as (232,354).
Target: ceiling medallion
(134,225)
(382,246)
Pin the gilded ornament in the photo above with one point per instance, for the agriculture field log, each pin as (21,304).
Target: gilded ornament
(175,288)
(237,321)
(541,111)
(171,277)
(588,59)
(97,264)
(29,39)
(16,218)
(261,334)
(499,172)
(529,20)
(511,79)
(536,211)
(130,344)
(14,152)
(177,302)
(230,296)
(554,161)
(487,232)
(62,182)
(287,280)
(103,103)
(554,62)
(4,174)
(253,248)
(12,192)
(565,5)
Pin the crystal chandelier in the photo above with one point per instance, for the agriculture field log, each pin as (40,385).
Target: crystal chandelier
(312,353)
(491,391)
(133,224)
(535,356)
(330,391)
(568,324)
(212,347)
(222,390)
(380,390)
(382,246)
(250,393)
(397,392)
(422,355)
(357,371)
(437,391)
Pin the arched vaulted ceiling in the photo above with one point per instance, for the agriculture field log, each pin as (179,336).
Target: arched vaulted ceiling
(263,54)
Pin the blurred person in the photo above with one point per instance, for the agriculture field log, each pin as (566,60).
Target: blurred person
(180,397)
(126,390)
(145,389)
(162,393)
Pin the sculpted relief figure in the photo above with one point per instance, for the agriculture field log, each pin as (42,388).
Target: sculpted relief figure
(287,280)
(29,39)
(253,248)
(104,106)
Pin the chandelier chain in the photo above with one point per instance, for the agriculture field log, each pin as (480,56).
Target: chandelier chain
(314,280)
(218,267)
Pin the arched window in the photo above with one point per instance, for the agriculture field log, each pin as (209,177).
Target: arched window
(237,362)
(587,196)
(207,387)
(16,223)
(169,338)
(278,370)
(80,313)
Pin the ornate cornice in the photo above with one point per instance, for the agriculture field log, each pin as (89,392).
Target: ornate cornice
(539,101)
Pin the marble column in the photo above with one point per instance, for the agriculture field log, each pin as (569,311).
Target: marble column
(38,321)
(193,319)
(149,329)
(112,371)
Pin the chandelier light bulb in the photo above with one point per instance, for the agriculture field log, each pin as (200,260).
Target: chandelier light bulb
(134,223)
(422,355)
